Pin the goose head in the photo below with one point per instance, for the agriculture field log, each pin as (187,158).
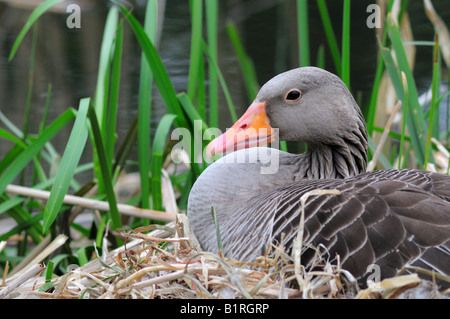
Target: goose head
(308,105)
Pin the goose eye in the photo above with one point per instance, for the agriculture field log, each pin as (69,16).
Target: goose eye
(293,95)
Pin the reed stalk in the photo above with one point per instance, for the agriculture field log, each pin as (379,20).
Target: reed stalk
(303,32)
(145,104)
(433,104)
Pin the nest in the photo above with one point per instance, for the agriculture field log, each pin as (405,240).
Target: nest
(167,263)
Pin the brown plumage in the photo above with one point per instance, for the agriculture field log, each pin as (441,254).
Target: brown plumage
(391,218)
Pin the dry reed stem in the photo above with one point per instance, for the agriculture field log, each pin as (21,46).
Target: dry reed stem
(297,247)
(390,288)
(439,26)
(93,204)
(42,251)
(47,295)
(29,273)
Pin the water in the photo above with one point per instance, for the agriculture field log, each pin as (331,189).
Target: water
(68,58)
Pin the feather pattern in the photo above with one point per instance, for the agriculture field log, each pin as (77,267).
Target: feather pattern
(390,218)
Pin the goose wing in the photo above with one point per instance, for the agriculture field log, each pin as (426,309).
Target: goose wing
(388,218)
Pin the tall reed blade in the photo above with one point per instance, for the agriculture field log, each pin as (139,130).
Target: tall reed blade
(434,96)
(303,32)
(247,68)
(101,90)
(211,28)
(405,113)
(69,162)
(30,83)
(213,63)
(331,38)
(196,51)
(345,73)
(102,87)
(160,74)
(371,110)
(159,143)
(144,108)
(105,169)
(40,10)
(111,118)
(415,119)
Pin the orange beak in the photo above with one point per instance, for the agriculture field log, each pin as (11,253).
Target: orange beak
(252,129)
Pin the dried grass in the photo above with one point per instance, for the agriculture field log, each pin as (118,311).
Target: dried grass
(165,263)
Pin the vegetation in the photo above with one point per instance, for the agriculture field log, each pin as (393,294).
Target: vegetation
(39,223)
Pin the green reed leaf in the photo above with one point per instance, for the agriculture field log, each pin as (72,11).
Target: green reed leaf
(72,153)
(34,16)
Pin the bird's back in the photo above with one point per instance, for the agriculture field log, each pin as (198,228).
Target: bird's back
(389,218)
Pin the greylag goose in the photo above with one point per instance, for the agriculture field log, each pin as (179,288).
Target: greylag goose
(390,218)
